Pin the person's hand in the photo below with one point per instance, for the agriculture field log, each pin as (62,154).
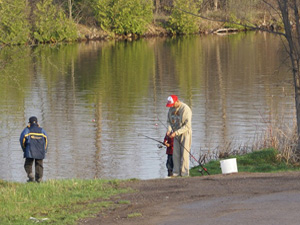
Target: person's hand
(167,144)
(172,135)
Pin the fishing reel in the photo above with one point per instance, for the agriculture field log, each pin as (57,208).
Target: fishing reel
(160,146)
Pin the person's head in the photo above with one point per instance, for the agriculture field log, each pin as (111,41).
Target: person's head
(33,120)
(173,101)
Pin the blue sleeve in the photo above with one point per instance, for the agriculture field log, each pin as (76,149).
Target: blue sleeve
(22,136)
(44,132)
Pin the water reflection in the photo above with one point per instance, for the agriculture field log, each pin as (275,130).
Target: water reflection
(95,99)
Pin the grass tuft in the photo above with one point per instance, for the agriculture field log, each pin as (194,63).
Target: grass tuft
(133,215)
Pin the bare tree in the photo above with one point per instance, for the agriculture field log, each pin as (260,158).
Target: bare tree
(288,10)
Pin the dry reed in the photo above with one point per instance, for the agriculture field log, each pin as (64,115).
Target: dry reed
(276,135)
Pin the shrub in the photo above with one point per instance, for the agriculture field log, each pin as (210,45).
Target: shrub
(124,16)
(236,23)
(181,22)
(14,26)
(51,24)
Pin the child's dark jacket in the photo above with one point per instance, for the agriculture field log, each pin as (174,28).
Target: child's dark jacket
(170,142)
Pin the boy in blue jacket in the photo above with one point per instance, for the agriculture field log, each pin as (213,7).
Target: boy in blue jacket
(34,143)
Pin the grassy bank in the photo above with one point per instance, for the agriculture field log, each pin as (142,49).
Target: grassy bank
(55,202)
(262,161)
(66,201)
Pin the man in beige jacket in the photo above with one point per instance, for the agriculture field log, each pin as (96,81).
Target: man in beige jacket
(180,128)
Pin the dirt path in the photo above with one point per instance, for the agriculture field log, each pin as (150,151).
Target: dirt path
(220,199)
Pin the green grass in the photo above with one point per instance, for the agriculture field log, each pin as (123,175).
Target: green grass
(61,201)
(263,161)
(133,215)
(124,202)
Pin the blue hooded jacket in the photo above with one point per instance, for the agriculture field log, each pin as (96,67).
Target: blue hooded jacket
(34,142)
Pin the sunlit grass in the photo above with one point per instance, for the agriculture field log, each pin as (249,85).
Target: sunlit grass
(266,160)
(60,201)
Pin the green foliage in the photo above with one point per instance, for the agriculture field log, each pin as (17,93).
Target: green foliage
(181,22)
(14,27)
(235,23)
(51,24)
(124,16)
(102,9)
(258,161)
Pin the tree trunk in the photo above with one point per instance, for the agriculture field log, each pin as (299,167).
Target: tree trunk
(70,9)
(157,6)
(292,36)
(297,100)
(32,6)
(216,5)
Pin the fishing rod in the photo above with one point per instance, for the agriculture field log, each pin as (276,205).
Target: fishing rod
(186,150)
(152,139)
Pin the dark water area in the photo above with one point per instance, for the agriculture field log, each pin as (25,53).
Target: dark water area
(95,99)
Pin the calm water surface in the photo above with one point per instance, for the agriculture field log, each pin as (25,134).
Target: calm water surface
(95,99)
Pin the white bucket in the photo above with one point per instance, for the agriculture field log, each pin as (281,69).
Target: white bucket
(228,166)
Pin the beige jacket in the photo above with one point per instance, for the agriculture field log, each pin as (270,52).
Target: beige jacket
(180,119)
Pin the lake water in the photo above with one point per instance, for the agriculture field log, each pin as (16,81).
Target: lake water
(96,100)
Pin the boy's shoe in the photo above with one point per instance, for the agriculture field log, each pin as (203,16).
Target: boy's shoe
(30,177)
(39,180)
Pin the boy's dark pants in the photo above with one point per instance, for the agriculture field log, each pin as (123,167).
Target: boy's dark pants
(38,169)
(170,165)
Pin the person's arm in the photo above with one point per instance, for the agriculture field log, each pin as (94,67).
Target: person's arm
(46,139)
(166,143)
(23,138)
(187,122)
(169,126)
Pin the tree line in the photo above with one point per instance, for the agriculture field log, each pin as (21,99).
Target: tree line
(41,21)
